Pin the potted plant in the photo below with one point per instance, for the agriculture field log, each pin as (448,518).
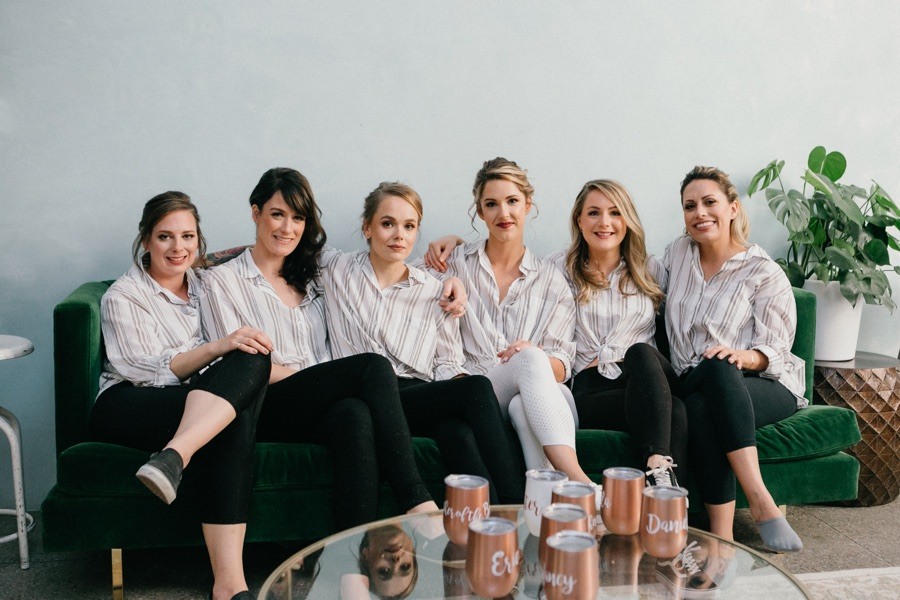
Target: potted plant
(840,239)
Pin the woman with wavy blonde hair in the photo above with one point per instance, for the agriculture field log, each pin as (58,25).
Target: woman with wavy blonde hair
(621,380)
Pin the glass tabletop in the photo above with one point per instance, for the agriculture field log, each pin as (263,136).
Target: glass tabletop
(411,557)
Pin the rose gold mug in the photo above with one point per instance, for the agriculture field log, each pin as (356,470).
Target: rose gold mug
(492,562)
(621,505)
(581,494)
(664,524)
(561,517)
(466,500)
(572,570)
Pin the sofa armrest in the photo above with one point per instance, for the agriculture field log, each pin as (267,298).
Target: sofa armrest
(805,337)
(78,360)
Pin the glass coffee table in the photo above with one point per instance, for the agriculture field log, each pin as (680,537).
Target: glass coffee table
(411,557)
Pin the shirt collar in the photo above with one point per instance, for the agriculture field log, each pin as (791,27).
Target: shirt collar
(140,273)
(530,262)
(752,251)
(249,270)
(415,276)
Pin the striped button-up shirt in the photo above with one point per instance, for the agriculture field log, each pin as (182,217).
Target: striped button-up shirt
(610,322)
(144,326)
(237,294)
(539,307)
(402,322)
(747,305)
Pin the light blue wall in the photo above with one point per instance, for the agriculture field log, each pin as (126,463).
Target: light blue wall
(104,104)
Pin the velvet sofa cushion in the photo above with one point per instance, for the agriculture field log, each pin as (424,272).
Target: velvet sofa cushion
(106,469)
(97,468)
(811,432)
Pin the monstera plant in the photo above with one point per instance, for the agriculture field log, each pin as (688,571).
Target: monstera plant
(837,232)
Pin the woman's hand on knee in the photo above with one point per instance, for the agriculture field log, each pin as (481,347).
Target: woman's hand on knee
(513,349)
(739,358)
(246,339)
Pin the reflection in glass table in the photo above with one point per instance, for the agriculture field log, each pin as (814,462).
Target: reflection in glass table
(411,557)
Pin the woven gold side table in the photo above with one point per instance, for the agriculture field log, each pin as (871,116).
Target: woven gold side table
(869,385)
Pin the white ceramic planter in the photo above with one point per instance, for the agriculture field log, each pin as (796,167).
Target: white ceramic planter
(837,321)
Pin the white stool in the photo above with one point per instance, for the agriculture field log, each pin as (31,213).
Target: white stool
(13,347)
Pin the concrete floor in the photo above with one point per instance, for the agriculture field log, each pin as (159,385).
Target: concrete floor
(835,539)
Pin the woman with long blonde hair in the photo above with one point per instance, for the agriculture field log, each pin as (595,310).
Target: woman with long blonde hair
(621,380)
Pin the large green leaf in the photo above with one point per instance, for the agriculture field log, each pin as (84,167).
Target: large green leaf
(830,164)
(841,259)
(791,208)
(847,205)
(878,252)
(818,230)
(822,272)
(804,236)
(881,198)
(844,246)
(881,220)
(850,287)
(765,176)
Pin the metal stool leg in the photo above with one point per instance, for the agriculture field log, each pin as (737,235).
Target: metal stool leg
(24,522)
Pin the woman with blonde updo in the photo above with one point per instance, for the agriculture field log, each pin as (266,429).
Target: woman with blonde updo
(519,327)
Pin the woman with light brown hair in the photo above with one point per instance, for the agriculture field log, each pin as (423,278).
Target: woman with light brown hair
(375,302)
(621,381)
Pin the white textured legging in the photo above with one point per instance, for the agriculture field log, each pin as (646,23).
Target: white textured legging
(541,410)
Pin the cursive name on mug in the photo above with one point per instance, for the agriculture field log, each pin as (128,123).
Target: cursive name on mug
(503,563)
(655,524)
(467,514)
(566,583)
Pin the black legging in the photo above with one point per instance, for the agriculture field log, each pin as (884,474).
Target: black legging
(725,407)
(352,406)
(641,401)
(146,418)
(464,418)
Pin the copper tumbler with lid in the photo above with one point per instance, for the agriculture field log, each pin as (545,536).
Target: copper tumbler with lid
(466,500)
(664,524)
(493,558)
(572,569)
(621,504)
(561,517)
(580,494)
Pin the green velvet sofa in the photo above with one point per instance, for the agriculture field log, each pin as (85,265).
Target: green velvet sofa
(97,503)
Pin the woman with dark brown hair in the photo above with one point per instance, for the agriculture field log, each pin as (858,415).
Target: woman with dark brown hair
(351,404)
(150,321)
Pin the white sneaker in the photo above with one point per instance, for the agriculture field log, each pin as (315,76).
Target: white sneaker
(663,474)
